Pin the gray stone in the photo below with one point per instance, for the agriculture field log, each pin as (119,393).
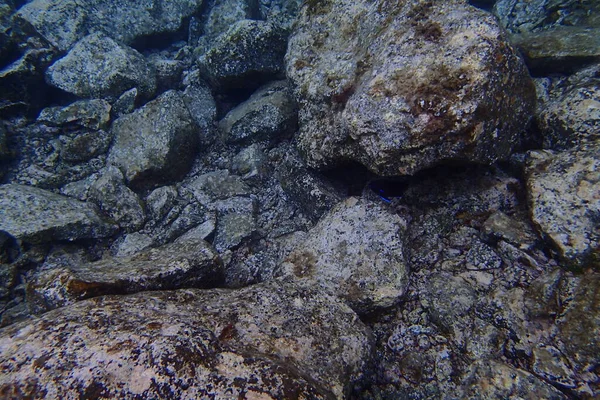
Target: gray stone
(64,22)
(218,185)
(156,143)
(403,87)
(160,201)
(36,215)
(225,13)
(564,198)
(236,221)
(168,72)
(133,243)
(125,103)
(4,151)
(280,12)
(248,54)
(84,146)
(274,340)
(355,252)
(90,114)
(569,109)
(203,109)
(250,163)
(174,266)
(117,201)
(270,115)
(97,66)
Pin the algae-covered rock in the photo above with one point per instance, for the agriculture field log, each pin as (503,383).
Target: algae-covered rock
(405,86)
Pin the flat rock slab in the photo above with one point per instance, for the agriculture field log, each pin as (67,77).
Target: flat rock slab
(564,199)
(274,340)
(400,87)
(36,215)
(189,264)
(355,252)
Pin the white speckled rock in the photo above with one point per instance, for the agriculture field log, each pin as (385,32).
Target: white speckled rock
(36,215)
(269,341)
(355,252)
(403,86)
(564,199)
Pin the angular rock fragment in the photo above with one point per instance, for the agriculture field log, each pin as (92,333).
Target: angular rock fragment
(191,264)
(355,252)
(275,340)
(156,143)
(36,215)
(564,199)
(403,87)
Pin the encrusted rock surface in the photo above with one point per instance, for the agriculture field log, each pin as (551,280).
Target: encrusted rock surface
(156,143)
(182,264)
(274,340)
(564,198)
(355,252)
(36,215)
(403,87)
(97,66)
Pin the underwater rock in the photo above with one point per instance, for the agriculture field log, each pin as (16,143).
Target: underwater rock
(36,215)
(274,340)
(270,114)
(218,185)
(569,109)
(156,143)
(64,22)
(564,198)
(310,191)
(91,114)
(115,199)
(403,87)
(354,252)
(247,55)
(203,109)
(191,264)
(236,221)
(225,13)
(283,13)
(97,66)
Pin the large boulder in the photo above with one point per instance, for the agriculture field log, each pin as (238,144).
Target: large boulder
(564,199)
(64,22)
(156,143)
(36,215)
(355,252)
(189,264)
(275,340)
(403,87)
(97,66)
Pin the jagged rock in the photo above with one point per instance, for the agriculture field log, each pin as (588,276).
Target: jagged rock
(564,199)
(97,66)
(133,243)
(192,264)
(84,145)
(125,103)
(115,199)
(180,219)
(36,215)
(569,109)
(403,87)
(250,163)
(247,55)
(225,13)
(280,12)
(313,194)
(275,340)
(203,110)
(218,185)
(90,114)
(64,22)
(160,201)
(355,252)
(236,221)
(156,143)
(168,72)
(270,114)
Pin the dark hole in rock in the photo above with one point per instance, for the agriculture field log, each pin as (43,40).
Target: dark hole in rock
(389,188)
(483,4)
(349,179)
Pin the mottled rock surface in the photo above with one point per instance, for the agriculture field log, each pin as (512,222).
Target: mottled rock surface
(400,88)
(189,264)
(90,114)
(248,54)
(36,215)
(98,66)
(156,143)
(64,22)
(268,341)
(355,252)
(270,114)
(564,198)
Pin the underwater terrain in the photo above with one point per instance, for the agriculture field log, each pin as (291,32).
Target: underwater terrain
(287,199)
